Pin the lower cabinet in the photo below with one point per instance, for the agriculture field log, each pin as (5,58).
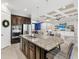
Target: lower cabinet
(38,53)
(32,51)
(23,45)
(42,54)
(27,49)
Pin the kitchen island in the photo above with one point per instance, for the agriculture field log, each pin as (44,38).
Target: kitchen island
(36,48)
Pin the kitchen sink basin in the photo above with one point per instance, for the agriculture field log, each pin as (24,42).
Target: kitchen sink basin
(32,37)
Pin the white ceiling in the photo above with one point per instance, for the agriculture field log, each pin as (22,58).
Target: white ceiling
(37,8)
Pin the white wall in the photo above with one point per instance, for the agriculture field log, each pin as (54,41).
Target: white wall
(5,32)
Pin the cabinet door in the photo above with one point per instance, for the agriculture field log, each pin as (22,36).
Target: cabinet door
(23,45)
(14,20)
(27,21)
(38,54)
(19,20)
(42,54)
(27,51)
(32,51)
(24,21)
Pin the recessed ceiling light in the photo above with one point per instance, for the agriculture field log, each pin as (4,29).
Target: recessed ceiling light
(25,9)
(47,20)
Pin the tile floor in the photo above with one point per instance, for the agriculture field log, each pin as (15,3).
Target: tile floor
(13,52)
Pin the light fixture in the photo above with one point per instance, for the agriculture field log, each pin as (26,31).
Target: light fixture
(25,9)
(47,20)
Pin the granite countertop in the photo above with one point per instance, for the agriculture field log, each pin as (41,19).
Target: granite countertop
(45,43)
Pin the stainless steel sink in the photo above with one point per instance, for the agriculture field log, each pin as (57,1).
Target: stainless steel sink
(32,37)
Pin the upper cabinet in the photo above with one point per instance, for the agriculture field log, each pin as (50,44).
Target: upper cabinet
(13,20)
(27,20)
(18,20)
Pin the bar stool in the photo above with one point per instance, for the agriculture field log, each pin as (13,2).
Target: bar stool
(64,53)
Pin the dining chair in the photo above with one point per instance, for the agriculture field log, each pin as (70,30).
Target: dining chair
(64,53)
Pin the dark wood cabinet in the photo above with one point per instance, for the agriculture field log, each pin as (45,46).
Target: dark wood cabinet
(32,51)
(25,48)
(38,53)
(14,20)
(26,20)
(18,20)
(28,49)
